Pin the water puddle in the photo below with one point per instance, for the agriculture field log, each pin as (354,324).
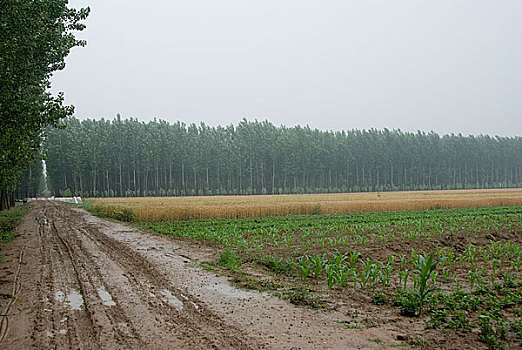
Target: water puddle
(105,297)
(74,300)
(172,299)
(59,296)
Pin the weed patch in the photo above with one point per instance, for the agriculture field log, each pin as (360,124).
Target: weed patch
(9,219)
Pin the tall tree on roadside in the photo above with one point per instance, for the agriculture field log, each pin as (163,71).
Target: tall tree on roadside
(35,38)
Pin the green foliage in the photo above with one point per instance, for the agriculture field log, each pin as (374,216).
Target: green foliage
(412,301)
(493,331)
(304,266)
(379,299)
(36,37)
(423,271)
(408,302)
(337,274)
(458,320)
(301,297)
(278,265)
(125,214)
(318,263)
(438,319)
(66,193)
(9,219)
(229,260)
(256,157)
(516,327)
(114,212)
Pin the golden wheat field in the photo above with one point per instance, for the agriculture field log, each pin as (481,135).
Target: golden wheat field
(231,207)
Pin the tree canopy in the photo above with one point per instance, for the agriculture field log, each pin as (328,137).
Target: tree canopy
(133,158)
(35,38)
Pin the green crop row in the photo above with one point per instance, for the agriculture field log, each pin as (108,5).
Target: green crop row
(298,234)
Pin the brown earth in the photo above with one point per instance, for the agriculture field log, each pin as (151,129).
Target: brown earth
(74,281)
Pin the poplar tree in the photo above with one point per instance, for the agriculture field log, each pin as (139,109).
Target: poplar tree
(35,38)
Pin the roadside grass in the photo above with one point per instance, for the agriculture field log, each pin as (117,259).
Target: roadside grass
(9,220)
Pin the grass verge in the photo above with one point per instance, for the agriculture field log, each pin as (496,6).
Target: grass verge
(9,219)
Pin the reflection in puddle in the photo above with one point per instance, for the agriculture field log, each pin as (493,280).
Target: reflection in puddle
(74,300)
(59,296)
(105,297)
(172,299)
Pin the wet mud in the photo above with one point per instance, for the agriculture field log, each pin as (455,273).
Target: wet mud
(74,281)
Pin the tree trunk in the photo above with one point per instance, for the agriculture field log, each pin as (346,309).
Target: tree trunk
(4,200)
(121,184)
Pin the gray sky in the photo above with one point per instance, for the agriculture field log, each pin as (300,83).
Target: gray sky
(445,65)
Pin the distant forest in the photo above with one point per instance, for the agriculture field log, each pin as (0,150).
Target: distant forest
(94,158)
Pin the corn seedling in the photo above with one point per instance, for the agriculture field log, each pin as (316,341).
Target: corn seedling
(304,267)
(318,263)
(424,269)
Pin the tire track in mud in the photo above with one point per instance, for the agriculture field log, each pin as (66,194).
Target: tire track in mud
(95,292)
(89,286)
(62,321)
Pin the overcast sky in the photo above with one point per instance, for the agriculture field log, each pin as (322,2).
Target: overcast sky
(448,65)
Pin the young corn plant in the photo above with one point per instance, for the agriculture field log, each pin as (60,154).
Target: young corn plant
(424,270)
(337,274)
(385,272)
(368,274)
(337,258)
(412,301)
(304,266)
(318,263)
(353,257)
(354,272)
(403,278)
(473,277)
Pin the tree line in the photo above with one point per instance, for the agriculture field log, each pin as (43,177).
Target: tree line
(126,157)
(35,38)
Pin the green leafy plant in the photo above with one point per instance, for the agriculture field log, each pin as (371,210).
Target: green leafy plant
(368,274)
(229,260)
(408,302)
(422,274)
(318,263)
(304,266)
(412,301)
(278,265)
(379,299)
(9,219)
(492,331)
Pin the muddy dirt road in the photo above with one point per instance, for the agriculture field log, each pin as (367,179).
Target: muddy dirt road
(73,281)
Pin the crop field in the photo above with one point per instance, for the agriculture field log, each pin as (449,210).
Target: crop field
(454,273)
(234,207)
(446,278)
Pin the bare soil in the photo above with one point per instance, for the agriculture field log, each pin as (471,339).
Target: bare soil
(74,281)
